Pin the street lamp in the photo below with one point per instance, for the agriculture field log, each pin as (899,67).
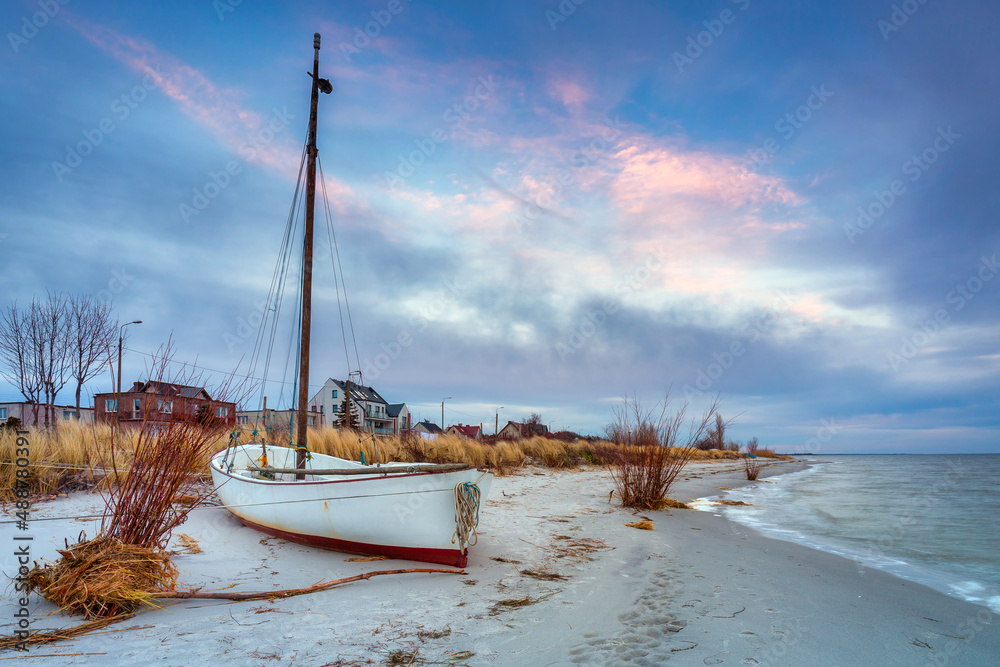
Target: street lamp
(446,398)
(118,394)
(496,419)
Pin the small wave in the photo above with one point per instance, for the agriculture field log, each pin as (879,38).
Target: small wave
(973,591)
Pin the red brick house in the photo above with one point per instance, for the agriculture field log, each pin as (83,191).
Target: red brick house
(160,402)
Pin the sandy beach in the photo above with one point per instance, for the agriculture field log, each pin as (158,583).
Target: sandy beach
(556,578)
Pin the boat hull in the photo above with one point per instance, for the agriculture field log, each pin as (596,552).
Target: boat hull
(399,515)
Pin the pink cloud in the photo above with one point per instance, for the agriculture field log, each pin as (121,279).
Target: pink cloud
(651,172)
(217,109)
(570,93)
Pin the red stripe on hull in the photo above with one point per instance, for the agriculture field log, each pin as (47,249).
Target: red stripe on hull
(452,557)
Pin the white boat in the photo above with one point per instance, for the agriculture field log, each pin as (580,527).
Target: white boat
(422,512)
(399,510)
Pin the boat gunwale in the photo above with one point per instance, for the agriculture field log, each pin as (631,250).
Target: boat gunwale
(375,476)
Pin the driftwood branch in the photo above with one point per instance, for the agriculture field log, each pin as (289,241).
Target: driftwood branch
(198,594)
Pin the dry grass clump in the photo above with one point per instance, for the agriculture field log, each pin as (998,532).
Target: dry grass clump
(442,449)
(651,451)
(72,456)
(187,544)
(516,603)
(349,444)
(673,504)
(715,455)
(501,456)
(543,575)
(641,525)
(551,453)
(771,454)
(104,577)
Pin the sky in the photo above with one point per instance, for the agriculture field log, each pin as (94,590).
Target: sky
(544,206)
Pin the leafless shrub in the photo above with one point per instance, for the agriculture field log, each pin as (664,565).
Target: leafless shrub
(651,451)
(752,467)
(166,456)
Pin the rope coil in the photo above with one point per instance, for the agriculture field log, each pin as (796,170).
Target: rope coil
(467,497)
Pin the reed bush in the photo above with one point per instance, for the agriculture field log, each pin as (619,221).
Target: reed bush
(651,450)
(752,467)
(164,457)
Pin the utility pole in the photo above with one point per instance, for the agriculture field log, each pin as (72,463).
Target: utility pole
(446,398)
(118,394)
(496,419)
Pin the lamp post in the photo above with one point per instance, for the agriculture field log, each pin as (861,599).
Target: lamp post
(118,394)
(496,419)
(446,398)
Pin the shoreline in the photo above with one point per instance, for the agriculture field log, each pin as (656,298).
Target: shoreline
(556,578)
(962,585)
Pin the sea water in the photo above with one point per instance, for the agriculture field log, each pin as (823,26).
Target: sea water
(930,519)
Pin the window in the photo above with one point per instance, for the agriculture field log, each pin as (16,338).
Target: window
(312,409)
(111,405)
(334,394)
(242,419)
(69,414)
(222,412)
(165,407)
(334,408)
(3,413)
(321,408)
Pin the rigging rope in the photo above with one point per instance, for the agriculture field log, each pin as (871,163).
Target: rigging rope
(467,497)
(335,262)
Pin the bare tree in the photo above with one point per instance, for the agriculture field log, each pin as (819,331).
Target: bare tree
(92,333)
(54,327)
(534,425)
(17,354)
(38,351)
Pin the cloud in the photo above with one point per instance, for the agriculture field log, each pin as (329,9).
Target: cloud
(237,127)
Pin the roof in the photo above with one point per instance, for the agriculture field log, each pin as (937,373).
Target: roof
(164,389)
(360,392)
(393,409)
(430,427)
(470,431)
(168,389)
(525,430)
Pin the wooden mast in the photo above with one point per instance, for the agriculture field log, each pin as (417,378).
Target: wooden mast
(302,417)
